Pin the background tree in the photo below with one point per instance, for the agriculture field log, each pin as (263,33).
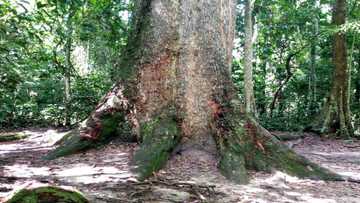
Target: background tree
(248,59)
(336,114)
(33,41)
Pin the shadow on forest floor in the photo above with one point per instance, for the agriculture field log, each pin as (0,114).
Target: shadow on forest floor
(104,175)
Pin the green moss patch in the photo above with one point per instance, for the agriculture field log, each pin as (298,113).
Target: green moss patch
(47,194)
(160,136)
(232,166)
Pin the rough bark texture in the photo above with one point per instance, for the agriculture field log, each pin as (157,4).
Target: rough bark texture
(178,93)
(336,113)
(248,57)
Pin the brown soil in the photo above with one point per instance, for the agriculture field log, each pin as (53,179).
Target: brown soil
(104,174)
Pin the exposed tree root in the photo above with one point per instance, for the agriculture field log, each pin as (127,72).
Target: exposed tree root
(159,137)
(47,194)
(11,137)
(111,119)
(258,150)
(287,136)
(243,144)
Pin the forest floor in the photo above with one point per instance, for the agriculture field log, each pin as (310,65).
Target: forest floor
(104,174)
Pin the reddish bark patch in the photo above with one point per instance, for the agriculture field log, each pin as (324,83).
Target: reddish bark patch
(155,85)
(216,109)
(252,133)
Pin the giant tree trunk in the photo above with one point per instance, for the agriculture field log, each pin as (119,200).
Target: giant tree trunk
(336,113)
(177,91)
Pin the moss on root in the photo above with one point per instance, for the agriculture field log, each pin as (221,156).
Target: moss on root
(47,194)
(160,136)
(232,166)
(7,137)
(73,142)
(248,145)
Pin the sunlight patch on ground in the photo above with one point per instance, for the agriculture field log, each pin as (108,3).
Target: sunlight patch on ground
(36,140)
(120,157)
(278,186)
(47,138)
(81,173)
(13,148)
(350,174)
(87,174)
(25,171)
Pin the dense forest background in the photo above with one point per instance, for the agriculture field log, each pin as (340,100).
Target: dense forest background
(58,58)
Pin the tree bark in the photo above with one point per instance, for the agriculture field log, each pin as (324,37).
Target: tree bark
(335,116)
(248,57)
(177,92)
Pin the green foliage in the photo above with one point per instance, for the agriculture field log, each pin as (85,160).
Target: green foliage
(34,43)
(33,46)
(289,27)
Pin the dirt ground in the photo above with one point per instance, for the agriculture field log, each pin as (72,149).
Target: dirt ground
(104,174)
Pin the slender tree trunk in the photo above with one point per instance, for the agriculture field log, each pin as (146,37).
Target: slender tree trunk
(357,82)
(67,84)
(177,92)
(262,87)
(248,57)
(67,71)
(282,84)
(312,79)
(336,113)
(262,101)
(350,64)
(357,94)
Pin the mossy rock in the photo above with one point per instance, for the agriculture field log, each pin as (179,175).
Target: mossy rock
(47,194)
(7,137)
